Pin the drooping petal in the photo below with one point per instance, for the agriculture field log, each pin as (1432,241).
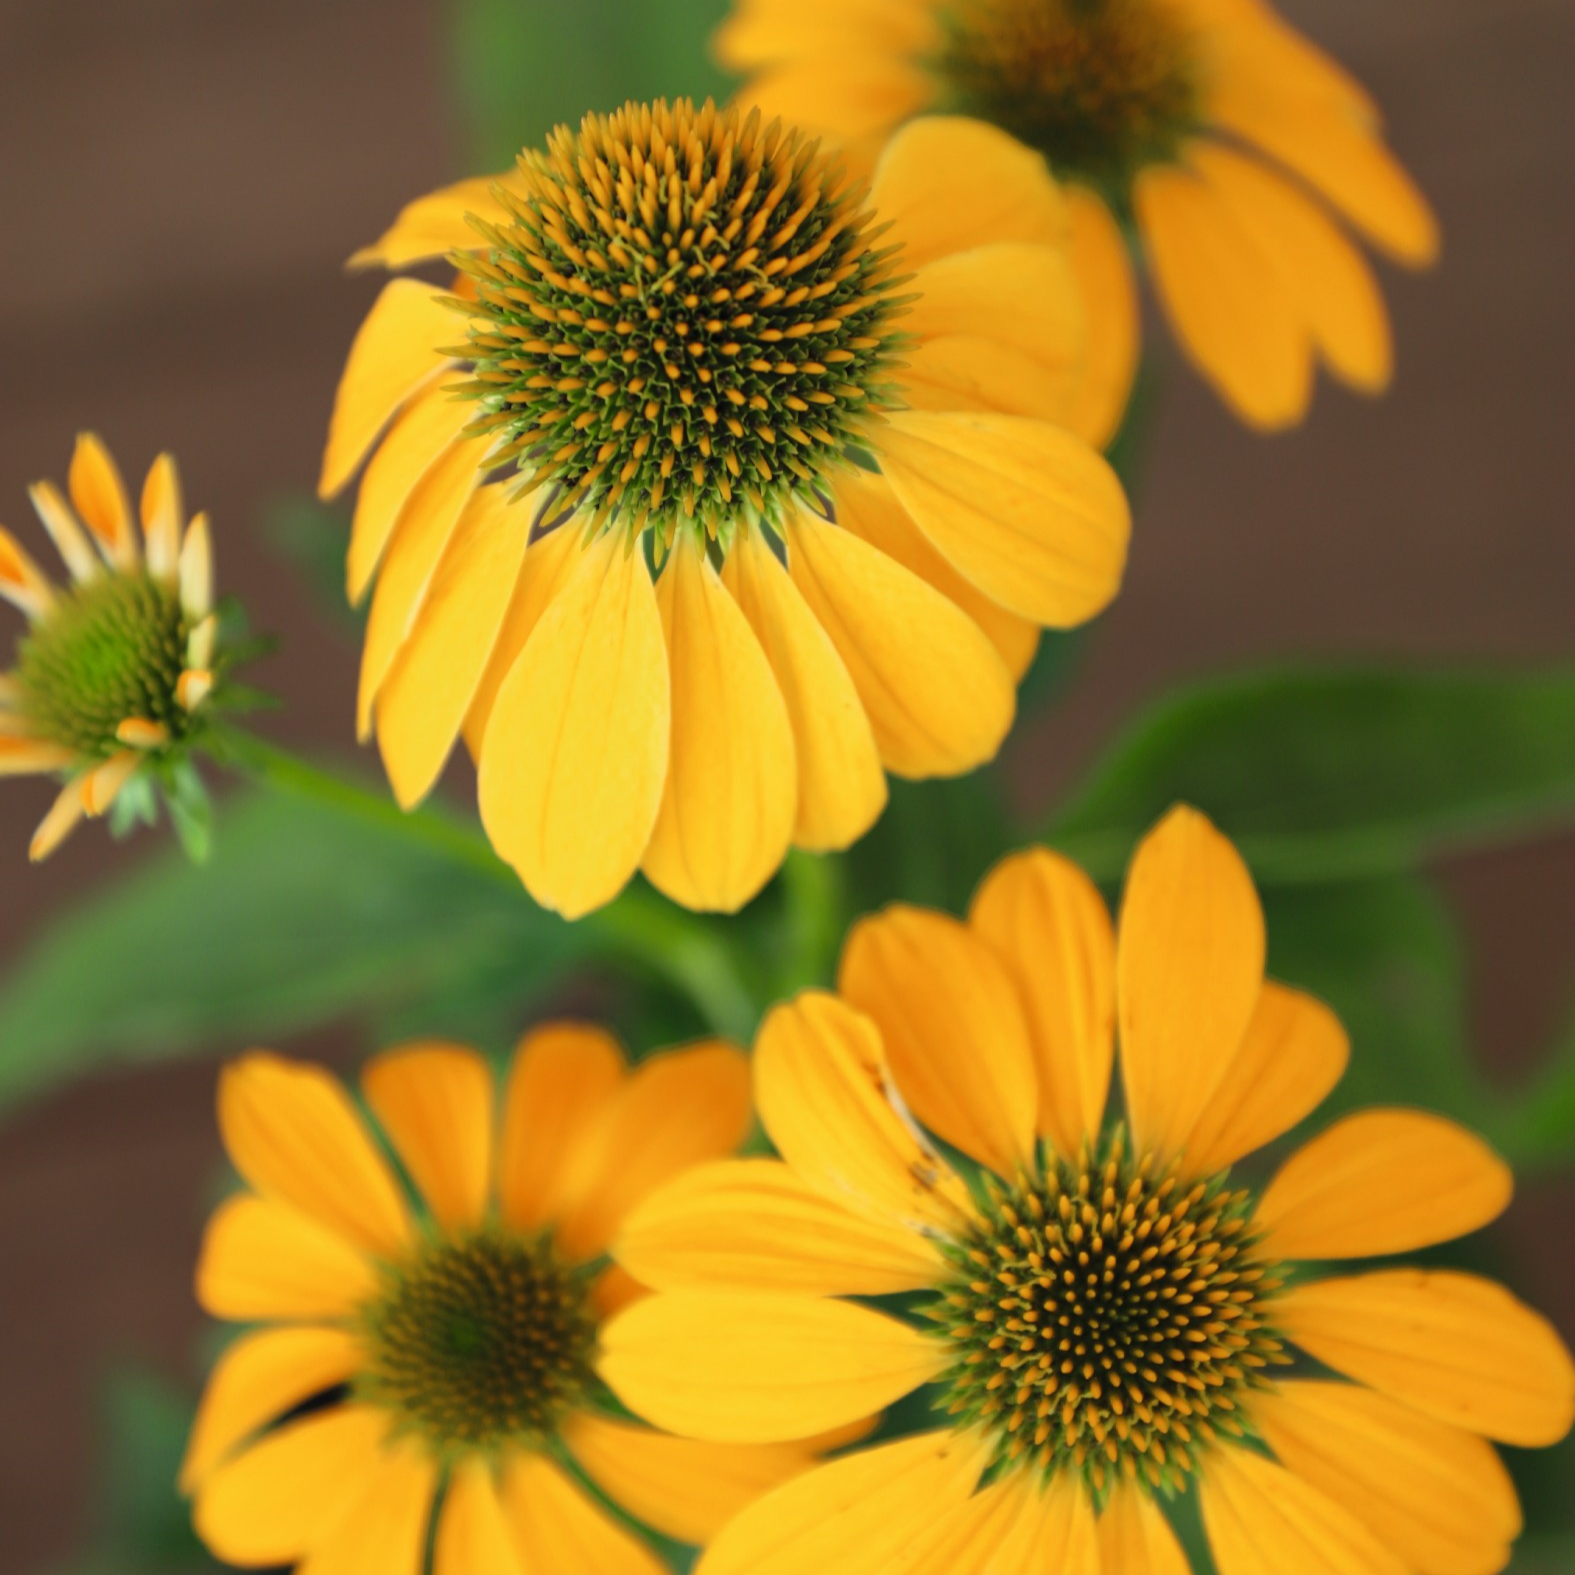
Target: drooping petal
(1189,970)
(864,1512)
(28,757)
(675,1110)
(841,786)
(58,823)
(1453,1346)
(1294,1052)
(1257,1515)
(101,786)
(821,1085)
(275,1502)
(753,1224)
(268,1260)
(295,1136)
(257,1380)
(946,183)
(1437,1496)
(435,677)
(473,1536)
(680,1486)
(435,224)
(867,506)
(435,1103)
(1224,300)
(937,694)
(22,582)
(557,1527)
(1028,513)
(1110,303)
(576,752)
(1380,1182)
(737,1367)
(731,797)
(396,350)
(1135,1538)
(100,498)
(952,1028)
(1048,925)
(385,1532)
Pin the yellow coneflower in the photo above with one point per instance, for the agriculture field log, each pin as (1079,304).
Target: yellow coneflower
(424,1367)
(1236,150)
(1105,1313)
(789,495)
(115,675)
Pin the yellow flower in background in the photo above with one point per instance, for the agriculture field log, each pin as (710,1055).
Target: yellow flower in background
(1110,1315)
(118,666)
(695,625)
(449,1347)
(1239,153)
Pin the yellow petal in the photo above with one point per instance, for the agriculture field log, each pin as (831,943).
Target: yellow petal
(428,522)
(1293,1054)
(1110,304)
(752,1224)
(58,824)
(1438,1497)
(1028,513)
(435,677)
(549,561)
(473,1537)
(938,696)
(841,786)
(1066,1537)
(1321,272)
(267,1260)
(1380,1182)
(996,1532)
(1135,1538)
(22,582)
(1258,1514)
(947,184)
(561,1083)
(849,97)
(680,1486)
(1189,969)
(26,757)
(427,428)
(385,1533)
(436,224)
(435,1103)
(952,1028)
(739,1367)
(1049,927)
(195,570)
(295,1136)
(396,351)
(758,32)
(1452,1346)
(100,498)
(1230,312)
(576,751)
(675,1110)
(259,1378)
(277,1500)
(102,785)
(821,1084)
(966,372)
(65,531)
(731,797)
(557,1527)
(862,1513)
(867,506)
(162,517)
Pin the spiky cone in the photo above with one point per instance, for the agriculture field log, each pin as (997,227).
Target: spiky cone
(419,1366)
(1237,154)
(1106,1308)
(114,678)
(790,486)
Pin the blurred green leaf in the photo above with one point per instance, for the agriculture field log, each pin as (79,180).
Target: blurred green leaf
(1330,776)
(1537,1129)
(525,66)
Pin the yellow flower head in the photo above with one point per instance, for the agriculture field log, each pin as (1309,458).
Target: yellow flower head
(1104,1312)
(1236,149)
(440,1343)
(114,679)
(790,480)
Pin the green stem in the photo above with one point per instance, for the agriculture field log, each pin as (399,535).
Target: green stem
(640,927)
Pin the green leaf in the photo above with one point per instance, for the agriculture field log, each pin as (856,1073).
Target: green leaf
(1324,775)
(305,914)
(525,66)
(1537,1129)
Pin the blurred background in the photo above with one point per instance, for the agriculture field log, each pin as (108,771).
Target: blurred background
(180,182)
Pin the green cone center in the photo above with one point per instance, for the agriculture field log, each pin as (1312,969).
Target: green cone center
(479,1341)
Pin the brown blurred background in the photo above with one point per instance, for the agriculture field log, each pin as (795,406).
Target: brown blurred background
(179,181)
